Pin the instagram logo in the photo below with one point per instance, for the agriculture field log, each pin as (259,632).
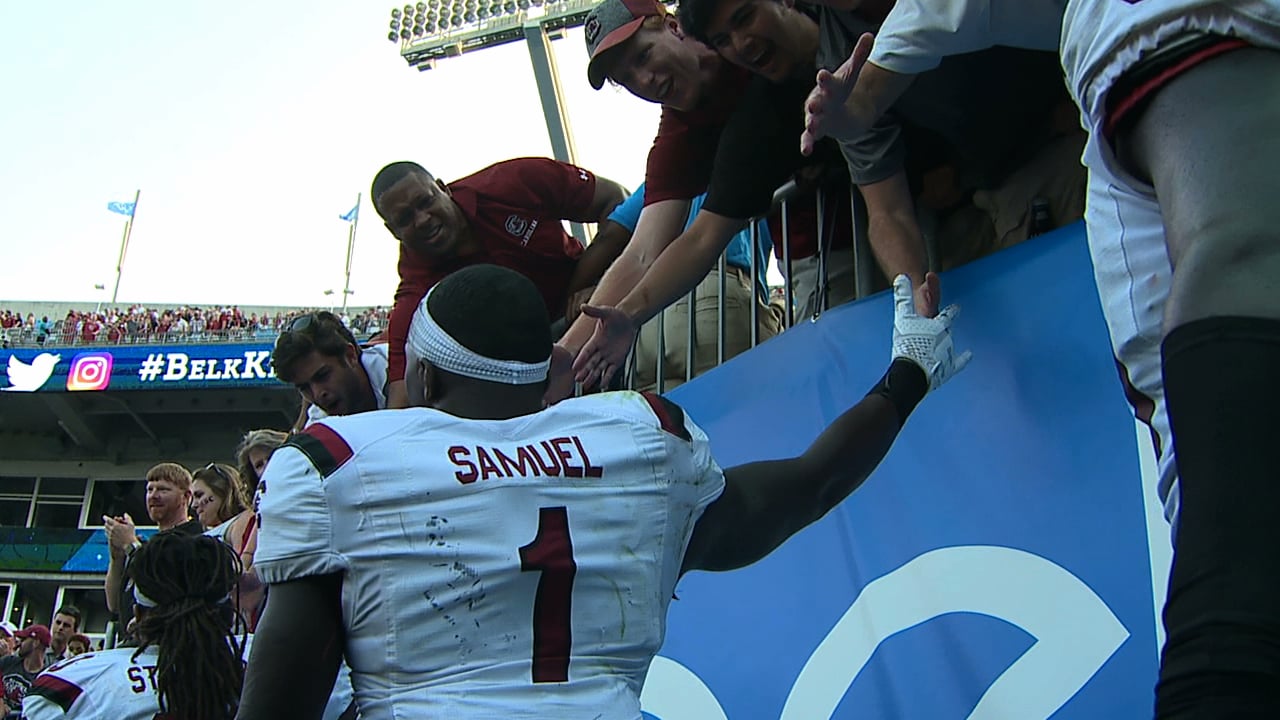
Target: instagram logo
(90,371)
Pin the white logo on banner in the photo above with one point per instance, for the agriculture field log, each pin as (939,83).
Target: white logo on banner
(1075,631)
(24,377)
(175,366)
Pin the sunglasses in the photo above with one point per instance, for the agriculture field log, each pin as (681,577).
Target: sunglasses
(299,324)
(217,471)
(302,323)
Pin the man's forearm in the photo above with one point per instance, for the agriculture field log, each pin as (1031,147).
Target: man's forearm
(681,267)
(608,195)
(115,579)
(621,277)
(876,91)
(771,501)
(898,247)
(298,646)
(605,249)
(658,226)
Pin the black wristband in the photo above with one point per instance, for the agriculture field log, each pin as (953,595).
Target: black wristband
(905,385)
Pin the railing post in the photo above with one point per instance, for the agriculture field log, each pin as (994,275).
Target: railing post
(863,258)
(755,286)
(693,336)
(721,324)
(821,304)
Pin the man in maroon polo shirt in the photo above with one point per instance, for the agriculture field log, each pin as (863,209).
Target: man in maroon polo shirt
(508,214)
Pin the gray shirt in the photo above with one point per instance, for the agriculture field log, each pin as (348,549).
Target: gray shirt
(981,112)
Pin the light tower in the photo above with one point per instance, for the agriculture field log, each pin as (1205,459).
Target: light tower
(437,29)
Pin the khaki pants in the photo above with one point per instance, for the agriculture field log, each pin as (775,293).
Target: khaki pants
(675,330)
(1001,217)
(806,283)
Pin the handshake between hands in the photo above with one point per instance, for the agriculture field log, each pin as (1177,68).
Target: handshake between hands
(925,341)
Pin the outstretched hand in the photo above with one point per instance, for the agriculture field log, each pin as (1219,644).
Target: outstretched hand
(922,340)
(928,295)
(607,349)
(559,376)
(826,110)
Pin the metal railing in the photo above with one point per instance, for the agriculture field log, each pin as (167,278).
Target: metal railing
(785,198)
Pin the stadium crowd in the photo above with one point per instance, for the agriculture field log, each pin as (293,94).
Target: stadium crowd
(959,137)
(139,324)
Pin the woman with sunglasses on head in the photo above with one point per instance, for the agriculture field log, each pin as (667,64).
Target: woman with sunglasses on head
(219,500)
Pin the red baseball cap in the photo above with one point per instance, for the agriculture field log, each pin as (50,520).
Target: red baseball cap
(39,632)
(609,24)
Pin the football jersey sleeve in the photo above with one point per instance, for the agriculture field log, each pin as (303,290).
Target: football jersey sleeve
(64,689)
(295,533)
(51,697)
(707,478)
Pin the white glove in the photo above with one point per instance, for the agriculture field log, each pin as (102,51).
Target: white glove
(925,341)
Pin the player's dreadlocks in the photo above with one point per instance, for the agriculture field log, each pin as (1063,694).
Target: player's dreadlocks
(200,636)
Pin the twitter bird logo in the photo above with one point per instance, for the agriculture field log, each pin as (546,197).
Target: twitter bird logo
(25,377)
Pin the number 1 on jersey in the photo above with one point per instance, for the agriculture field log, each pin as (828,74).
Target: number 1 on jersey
(551,553)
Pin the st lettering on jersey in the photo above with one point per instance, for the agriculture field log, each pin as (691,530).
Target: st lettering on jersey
(558,457)
(142,678)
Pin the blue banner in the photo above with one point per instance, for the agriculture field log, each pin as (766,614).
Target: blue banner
(122,208)
(996,564)
(137,367)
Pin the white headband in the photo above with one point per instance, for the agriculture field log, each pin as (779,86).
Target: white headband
(141,599)
(146,602)
(430,342)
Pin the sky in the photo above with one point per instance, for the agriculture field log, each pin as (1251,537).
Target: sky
(249,128)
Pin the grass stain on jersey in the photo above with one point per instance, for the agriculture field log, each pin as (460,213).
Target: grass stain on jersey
(622,609)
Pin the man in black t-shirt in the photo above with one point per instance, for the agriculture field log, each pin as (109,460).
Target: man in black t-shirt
(955,137)
(18,671)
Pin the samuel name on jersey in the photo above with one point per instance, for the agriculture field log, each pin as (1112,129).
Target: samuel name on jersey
(481,560)
(556,457)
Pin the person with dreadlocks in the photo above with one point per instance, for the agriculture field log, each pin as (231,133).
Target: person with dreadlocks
(192,645)
(188,664)
(466,557)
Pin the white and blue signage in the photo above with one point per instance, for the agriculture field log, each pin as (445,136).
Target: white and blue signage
(996,565)
(137,367)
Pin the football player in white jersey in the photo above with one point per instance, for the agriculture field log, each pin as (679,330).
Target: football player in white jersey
(190,661)
(489,558)
(1181,99)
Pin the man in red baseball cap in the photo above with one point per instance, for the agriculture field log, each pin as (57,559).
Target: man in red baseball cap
(663,66)
(721,133)
(17,672)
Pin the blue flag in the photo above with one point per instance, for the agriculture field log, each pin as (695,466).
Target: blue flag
(124,208)
(352,214)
